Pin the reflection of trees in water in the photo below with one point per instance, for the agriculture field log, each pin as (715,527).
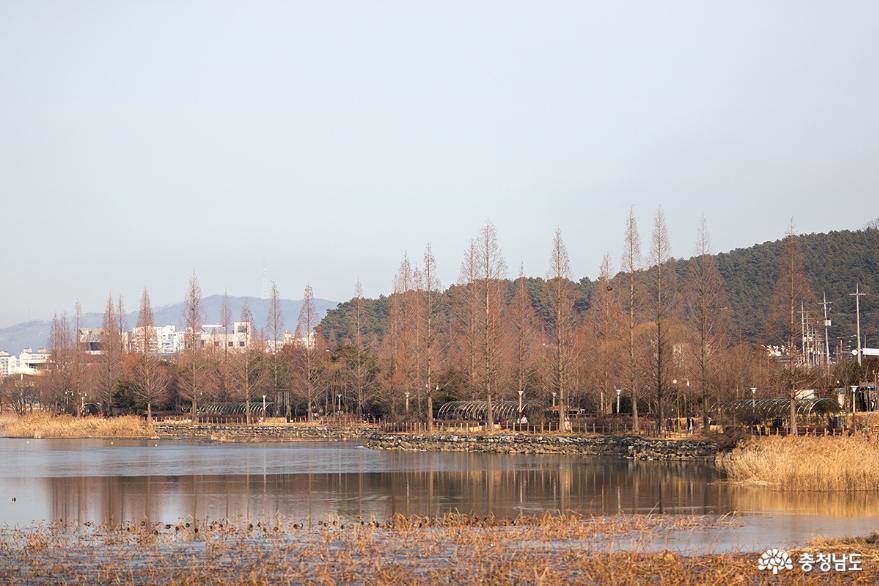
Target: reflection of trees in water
(480,484)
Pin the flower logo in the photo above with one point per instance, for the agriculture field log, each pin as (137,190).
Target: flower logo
(775,560)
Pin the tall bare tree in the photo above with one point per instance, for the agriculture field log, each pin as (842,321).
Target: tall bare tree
(602,333)
(361,371)
(150,379)
(467,314)
(491,269)
(791,291)
(630,266)
(192,357)
(706,305)
(560,300)
(247,371)
(430,290)
(275,333)
(59,379)
(308,319)
(525,334)
(110,359)
(662,295)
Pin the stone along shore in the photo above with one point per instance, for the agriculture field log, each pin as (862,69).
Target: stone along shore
(628,446)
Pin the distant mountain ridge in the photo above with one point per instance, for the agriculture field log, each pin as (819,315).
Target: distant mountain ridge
(35,333)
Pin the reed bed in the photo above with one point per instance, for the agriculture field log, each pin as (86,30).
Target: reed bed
(452,549)
(45,425)
(809,463)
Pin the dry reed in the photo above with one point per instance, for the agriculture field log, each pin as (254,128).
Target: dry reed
(45,425)
(813,463)
(453,549)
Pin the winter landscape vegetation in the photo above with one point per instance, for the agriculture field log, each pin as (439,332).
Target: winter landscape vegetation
(439,293)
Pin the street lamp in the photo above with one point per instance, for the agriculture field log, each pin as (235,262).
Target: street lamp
(339,397)
(263,405)
(854,398)
(407,402)
(619,392)
(521,392)
(753,398)
(553,398)
(674,381)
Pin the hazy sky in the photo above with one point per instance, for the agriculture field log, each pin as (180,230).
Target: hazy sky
(318,141)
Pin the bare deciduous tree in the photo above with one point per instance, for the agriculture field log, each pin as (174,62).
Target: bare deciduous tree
(630,266)
(307,322)
(490,271)
(662,294)
(705,296)
(192,357)
(110,359)
(560,300)
(791,290)
(150,379)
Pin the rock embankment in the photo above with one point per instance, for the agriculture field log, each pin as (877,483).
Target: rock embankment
(260,433)
(628,446)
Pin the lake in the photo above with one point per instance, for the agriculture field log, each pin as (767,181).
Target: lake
(130,480)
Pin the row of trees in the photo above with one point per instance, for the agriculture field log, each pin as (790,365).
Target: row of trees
(656,332)
(666,337)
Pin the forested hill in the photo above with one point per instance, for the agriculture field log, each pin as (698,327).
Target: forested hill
(834,261)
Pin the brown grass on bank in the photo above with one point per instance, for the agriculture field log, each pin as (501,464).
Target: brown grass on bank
(822,463)
(45,425)
(455,549)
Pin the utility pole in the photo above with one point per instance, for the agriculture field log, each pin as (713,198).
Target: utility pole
(857,295)
(825,303)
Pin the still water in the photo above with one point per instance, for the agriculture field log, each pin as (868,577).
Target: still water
(131,480)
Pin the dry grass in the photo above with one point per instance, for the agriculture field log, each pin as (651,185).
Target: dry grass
(453,549)
(806,463)
(44,425)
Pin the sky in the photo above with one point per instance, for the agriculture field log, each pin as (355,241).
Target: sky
(317,142)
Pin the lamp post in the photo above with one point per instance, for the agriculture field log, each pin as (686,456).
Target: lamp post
(263,405)
(553,398)
(677,405)
(339,398)
(407,402)
(619,392)
(754,399)
(82,404)
(521,392)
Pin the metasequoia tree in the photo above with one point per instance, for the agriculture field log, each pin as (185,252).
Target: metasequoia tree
(662,294)
(467,315)
(247,362)
(360,371)
(308,366)
(275,334)
(602,335)
(524,333)
(706,307)
(430,288)
(630,267)
(150,380)
(792,290)
(109,367)
(490,272)
(59,379)
(560,301)
(192,358)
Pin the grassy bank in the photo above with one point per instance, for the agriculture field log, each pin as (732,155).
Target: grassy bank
(44,425)
(806,463)
(453,549)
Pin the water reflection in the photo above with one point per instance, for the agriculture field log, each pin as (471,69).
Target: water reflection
(93,481)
